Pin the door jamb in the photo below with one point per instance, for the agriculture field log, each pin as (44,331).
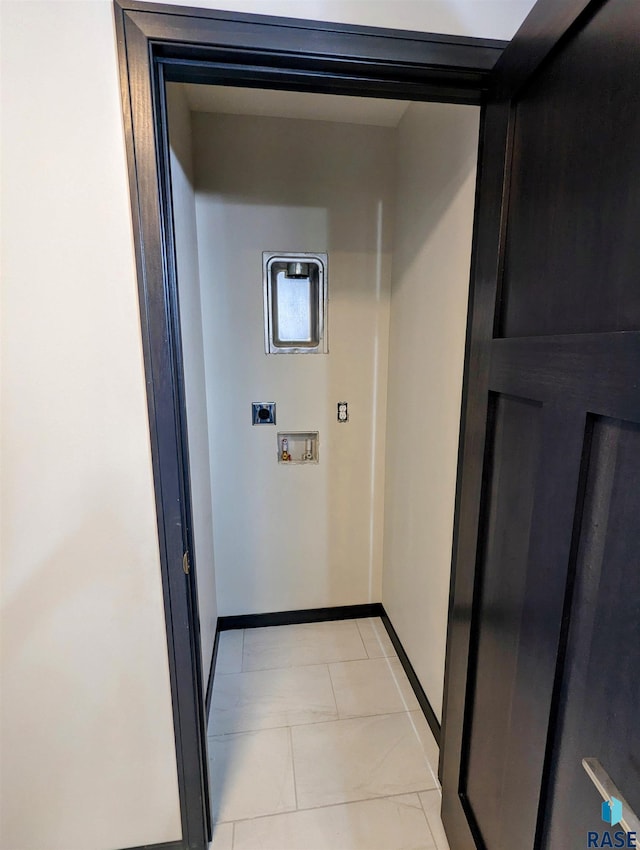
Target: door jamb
(158,43)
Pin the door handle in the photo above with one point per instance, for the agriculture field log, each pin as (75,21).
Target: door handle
(607,788)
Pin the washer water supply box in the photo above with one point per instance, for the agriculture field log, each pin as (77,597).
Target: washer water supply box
(296,447)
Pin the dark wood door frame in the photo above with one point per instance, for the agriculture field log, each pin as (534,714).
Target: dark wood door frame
(158,43)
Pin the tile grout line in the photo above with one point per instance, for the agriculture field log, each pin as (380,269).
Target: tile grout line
(333,691)
(426,817)
(344,803)
(378,639)
(362,639)
(283,725)
(400,676)
(363,657)
(293,769)
(303,666)
(320,723)
(434,773)
(436,843)
(307,664)
(417,791)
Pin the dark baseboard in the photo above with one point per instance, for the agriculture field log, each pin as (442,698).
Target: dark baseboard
(422,698)
(212,667)
(304,615)
(170,845)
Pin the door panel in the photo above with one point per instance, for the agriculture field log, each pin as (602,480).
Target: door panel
(553,643)
(573,253)
(503,586)
(511,688)
(601,689)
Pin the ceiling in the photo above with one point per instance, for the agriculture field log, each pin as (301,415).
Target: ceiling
(234,100)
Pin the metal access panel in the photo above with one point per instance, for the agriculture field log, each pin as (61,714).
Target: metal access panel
(295,303)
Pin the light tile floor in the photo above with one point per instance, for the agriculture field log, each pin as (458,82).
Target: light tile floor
(317,742)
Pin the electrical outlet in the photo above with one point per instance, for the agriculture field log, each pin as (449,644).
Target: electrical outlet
(263,413)
(343,411)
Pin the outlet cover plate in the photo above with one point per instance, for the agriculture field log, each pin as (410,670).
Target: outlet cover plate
(263,413)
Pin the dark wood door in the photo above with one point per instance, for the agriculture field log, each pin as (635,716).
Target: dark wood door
(547,599)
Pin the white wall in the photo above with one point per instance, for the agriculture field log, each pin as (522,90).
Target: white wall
(289,537)
(186,237)
(87,746)
(437,154)
(88,757)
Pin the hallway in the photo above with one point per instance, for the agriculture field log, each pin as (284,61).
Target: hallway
(317,742)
